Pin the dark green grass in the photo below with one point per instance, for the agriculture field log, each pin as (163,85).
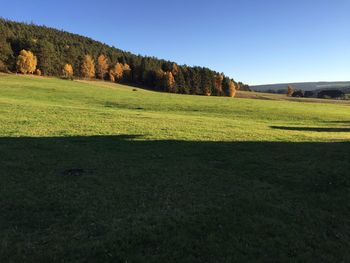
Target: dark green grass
(173,201)
(97,172)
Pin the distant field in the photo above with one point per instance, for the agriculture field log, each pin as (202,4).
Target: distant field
(98,172)
(283,97)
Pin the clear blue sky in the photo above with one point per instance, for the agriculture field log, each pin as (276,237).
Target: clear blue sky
(255,41)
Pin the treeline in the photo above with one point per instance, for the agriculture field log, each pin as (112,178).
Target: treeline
(51,52)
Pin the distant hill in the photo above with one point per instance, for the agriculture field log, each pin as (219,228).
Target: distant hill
(345,85)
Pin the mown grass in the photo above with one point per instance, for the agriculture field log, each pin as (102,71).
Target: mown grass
(97,172)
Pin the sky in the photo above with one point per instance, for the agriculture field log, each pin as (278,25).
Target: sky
(254,41)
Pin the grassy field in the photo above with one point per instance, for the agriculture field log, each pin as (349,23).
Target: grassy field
(97,172)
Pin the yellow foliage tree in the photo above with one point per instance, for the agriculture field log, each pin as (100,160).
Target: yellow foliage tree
(67,71)
(232,89)
(102,66)
(26,62)
(170,81)
(111,75)
(88,67)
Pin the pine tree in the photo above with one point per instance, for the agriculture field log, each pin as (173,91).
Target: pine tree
(126,73)
(181,83)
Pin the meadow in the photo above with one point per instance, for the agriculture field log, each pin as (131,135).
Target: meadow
(92,171)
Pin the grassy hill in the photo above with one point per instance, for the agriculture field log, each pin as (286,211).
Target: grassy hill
(343,85)
(99,172)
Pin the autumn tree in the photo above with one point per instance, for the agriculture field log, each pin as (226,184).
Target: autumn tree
(232,89)
(88,67)
(169,81)
(102,66)
(218,83)
(116,73)
(111,75)
(37,72)
(290,91)
(175,69)
(67,71)
(26,62)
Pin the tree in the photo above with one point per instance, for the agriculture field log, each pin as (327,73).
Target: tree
(88,67)
(181,83)
(232,89)
(5,54)
(116,73)
(218,84)
(169,81)
(290,91)
(47,56)
(37,72)
(54,48)
(111,75)
(126,72)
(102,66)
(175,69)
(67,71)
(26,62)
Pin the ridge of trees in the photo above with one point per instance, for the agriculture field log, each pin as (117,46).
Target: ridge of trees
(28,48)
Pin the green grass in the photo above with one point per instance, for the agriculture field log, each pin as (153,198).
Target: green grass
(169,178)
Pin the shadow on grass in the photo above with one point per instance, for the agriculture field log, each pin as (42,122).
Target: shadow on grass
(118,198)
(313,129)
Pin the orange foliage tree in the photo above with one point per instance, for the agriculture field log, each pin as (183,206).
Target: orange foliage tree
(88,67)
(232,89)
(102,66)
(169,81)
(116,73)
(175,69)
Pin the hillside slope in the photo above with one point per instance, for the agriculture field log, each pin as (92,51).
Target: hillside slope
(99,172)
(306,86)
(56,48)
